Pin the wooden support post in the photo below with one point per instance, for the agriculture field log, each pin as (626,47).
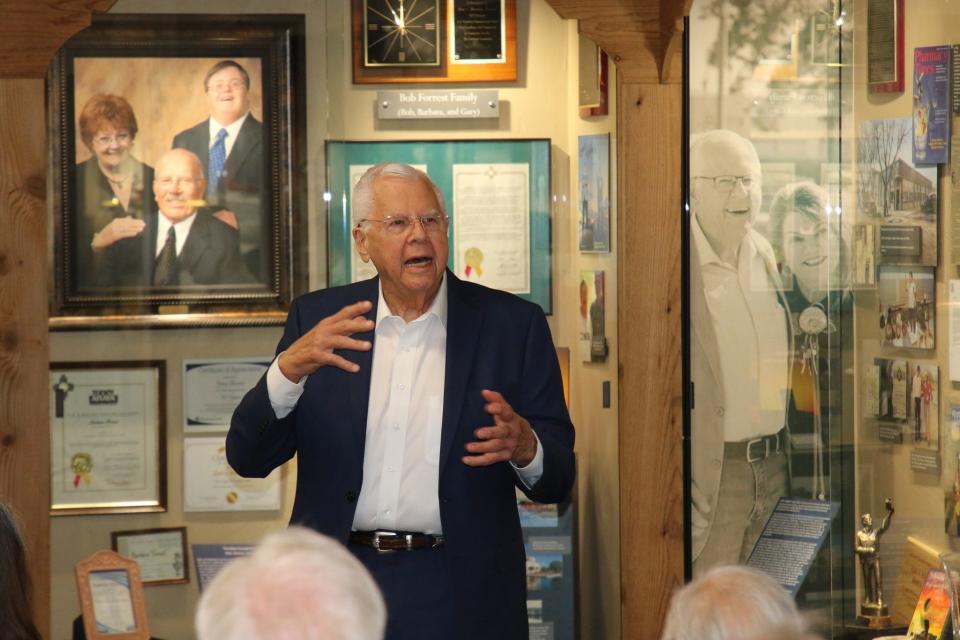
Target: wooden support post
(24,348)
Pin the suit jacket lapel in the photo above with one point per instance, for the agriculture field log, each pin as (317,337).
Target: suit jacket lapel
(464,320)
(701,321)
(203,136)
(359,382)
(198,240)
(247,139)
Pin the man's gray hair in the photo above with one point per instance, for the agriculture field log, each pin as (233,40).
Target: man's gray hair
(363,192)
(297,585)
(732,603)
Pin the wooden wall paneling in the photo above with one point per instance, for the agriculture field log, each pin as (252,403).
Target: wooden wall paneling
(24,349)
(649,152)
(32,30)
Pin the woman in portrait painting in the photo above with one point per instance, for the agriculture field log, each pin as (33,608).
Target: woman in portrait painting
(114,189)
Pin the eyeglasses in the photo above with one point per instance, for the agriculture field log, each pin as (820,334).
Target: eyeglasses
(167,182)
(727,183)
(397,225)
(223,85)
(119,138)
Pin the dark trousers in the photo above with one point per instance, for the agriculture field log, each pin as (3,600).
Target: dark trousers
(418,590)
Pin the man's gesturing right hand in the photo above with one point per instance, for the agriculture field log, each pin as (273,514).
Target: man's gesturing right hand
(314,349)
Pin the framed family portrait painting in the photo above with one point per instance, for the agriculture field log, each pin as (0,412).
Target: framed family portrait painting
(180,186)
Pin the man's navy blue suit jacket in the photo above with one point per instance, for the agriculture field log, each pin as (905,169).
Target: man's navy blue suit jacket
(495,341)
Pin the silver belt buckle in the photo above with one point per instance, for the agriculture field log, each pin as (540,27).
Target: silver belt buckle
(766,445)
(376,541)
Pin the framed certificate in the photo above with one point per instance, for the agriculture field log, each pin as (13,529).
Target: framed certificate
(212,389)
(161,554)
(111,598)
(209,484)
(107,437)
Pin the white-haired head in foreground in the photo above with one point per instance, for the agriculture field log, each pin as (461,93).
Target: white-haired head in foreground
(733,603)
(297,585)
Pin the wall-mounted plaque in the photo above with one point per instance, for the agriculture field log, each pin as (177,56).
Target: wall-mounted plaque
(885,38)
(478,32)
(437,41)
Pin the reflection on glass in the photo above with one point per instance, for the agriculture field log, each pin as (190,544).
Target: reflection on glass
(740,360)
(771,307)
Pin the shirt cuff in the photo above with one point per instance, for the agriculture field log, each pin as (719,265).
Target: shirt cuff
(530,474)
(283,394)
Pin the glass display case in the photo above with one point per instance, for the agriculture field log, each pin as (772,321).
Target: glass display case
(821,233)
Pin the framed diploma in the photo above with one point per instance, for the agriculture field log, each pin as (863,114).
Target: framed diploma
(108,437)
(161,554)
(209,484)
(212,389)
(111,598)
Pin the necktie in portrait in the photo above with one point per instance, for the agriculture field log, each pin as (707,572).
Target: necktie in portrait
(165,266)
(218,159)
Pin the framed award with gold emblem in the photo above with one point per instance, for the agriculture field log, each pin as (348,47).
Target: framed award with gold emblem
(107,437)
(434,41)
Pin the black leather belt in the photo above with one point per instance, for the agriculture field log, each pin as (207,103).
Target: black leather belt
(395,540)
(756,449)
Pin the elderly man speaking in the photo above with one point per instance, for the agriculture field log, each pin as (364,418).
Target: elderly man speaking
(415,403)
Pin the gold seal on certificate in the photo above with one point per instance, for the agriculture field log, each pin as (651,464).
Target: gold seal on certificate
(81,464)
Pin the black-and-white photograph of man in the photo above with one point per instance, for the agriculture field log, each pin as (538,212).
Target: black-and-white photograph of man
(740,358)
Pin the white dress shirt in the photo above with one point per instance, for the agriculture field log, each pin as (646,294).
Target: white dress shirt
(233,130)
(181,228)
(751,330)
(401,462)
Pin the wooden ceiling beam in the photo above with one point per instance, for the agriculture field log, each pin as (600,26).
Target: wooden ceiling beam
(32,30)
(641,36)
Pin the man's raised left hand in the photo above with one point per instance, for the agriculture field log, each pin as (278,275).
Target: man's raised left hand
(509,438)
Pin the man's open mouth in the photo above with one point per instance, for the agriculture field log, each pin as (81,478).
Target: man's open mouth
(418,262)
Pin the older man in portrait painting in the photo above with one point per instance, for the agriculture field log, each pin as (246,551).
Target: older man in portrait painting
(229,144)
(740,358)
(182,243)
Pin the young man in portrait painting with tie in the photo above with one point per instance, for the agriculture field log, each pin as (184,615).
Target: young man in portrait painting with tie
(229,144)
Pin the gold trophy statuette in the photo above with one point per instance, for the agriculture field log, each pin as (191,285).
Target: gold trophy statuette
(874,611)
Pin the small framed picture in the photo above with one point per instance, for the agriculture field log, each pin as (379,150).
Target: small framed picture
(160,553)
(111,598)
